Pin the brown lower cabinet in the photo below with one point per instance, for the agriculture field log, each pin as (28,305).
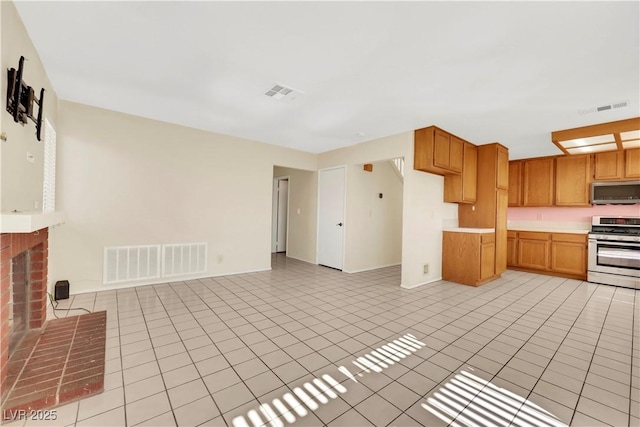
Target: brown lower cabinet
(558,254)
(468,258)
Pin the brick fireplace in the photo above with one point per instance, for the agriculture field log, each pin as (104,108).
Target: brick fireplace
(27,254)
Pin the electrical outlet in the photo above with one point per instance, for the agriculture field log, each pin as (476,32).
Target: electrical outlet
(426,269)
(220,259)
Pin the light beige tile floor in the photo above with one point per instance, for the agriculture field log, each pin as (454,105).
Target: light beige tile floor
(308,345)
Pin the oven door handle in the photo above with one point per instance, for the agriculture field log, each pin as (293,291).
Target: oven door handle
(615,242)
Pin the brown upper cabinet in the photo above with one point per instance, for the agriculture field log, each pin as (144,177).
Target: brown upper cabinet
(463,188)
(515,183)
(502,178)
(608,166)
(617,165)
(538,182)
(572,180)
(632,163)
(565,180)
(437,151)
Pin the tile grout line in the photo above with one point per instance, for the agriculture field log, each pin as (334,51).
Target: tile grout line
(520,348)
(64,367)
(190,358)
(592,356)
(247,296)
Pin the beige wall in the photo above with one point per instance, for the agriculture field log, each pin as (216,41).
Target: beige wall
(303,197)
(21,181)
(424,212)
(375,224)
(124,180)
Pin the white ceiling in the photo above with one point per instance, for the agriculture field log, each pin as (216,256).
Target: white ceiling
(511,72)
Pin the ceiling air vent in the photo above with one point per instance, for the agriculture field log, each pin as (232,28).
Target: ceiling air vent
(607,107)
(280,91)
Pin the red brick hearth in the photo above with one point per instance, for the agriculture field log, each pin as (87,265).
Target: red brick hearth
(54,362)
(61,364)
(11,245)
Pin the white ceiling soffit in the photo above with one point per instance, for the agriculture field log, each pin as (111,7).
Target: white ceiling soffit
(487,71)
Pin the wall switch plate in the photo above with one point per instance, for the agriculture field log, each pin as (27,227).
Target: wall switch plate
(30,158)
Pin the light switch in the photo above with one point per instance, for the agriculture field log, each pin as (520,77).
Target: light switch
(298,211)
(30,158)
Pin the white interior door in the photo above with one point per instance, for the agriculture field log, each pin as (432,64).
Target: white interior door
(331,199)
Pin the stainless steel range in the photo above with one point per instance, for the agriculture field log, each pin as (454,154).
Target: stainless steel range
(614,251)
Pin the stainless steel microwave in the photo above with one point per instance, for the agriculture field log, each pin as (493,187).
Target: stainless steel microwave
(615,193)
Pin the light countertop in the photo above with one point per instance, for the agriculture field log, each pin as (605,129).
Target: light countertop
(470,230)
(548,230)
(574,227)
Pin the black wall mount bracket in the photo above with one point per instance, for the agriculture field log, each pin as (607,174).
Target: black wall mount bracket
(21,99)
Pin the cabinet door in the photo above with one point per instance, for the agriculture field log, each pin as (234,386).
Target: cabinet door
(515,183)
(537,180)
(456,146)
(533,250)
(632,163)
(502,179)
(487,260)
(463,188)
(512,247)
(569,258)
(609,166)
(441,150)
(470,173)
(501,231)
(572,180)
(461,249)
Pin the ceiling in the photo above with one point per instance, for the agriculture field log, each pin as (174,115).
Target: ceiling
(511,72)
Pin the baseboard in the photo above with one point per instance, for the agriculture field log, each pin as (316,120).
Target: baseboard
(420,284)
(549,273)
(163,281)
(372,268)
(302,259)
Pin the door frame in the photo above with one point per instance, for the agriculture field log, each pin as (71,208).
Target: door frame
(344,214)
(274,212)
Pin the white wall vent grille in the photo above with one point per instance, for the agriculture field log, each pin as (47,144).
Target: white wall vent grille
(131,263)
(184,259)
(280,91)
(621,104)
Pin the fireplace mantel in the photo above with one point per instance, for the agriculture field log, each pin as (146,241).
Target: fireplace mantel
(27,222)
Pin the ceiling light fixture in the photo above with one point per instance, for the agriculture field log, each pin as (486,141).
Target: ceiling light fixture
(608,136)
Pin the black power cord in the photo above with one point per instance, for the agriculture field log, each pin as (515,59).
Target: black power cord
(54,305)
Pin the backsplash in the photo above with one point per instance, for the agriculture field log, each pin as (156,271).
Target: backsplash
(570,215)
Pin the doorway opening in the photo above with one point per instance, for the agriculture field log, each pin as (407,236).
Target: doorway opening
(294,215)
(280,222)
(360,229)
